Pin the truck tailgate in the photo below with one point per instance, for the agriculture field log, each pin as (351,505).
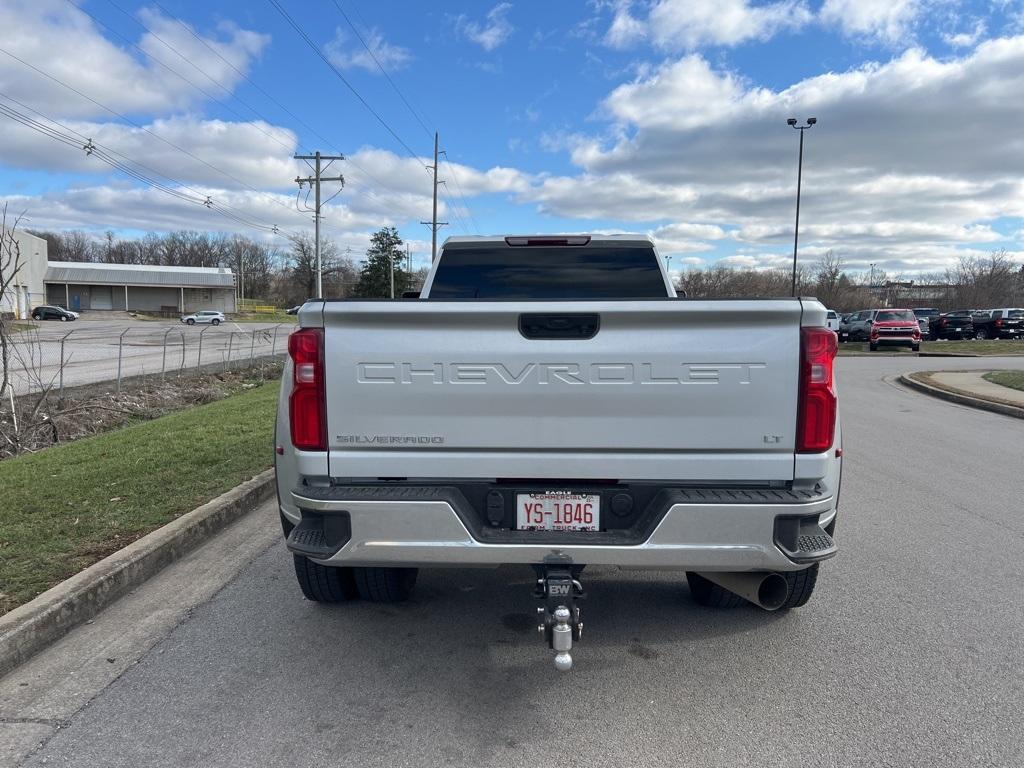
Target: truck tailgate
(693,391)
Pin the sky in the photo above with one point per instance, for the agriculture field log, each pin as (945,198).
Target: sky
(666,117)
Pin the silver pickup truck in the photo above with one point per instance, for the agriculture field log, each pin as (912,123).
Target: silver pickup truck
(551,402)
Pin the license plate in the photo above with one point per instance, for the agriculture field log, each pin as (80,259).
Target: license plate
(558,511)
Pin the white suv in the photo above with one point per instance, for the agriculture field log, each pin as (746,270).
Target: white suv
(211,316)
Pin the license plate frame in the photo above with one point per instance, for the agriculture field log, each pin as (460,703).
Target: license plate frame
(558,511)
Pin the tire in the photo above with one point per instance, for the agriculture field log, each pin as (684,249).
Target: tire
(63,319)
(981,334)
(190,321)
(915,348)
(324,584)
(385,585)
(709,594)
(801,587)
(215,322)
(37,318)
(873,347)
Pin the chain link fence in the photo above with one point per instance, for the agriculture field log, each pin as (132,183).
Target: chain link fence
(48,358)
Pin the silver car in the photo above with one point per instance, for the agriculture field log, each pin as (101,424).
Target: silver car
(211,316)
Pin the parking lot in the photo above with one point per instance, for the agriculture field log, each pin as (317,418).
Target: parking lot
(909,654)
(91,350)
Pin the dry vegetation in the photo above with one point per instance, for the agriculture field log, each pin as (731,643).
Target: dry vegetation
(43,419)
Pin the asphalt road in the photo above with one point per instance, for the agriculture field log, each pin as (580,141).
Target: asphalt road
(911,652)
(91,349)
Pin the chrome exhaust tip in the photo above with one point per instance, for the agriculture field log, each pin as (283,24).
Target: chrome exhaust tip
(765,590)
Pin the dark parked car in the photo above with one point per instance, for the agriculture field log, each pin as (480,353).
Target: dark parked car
(856,325)
(1006,323)
(46,312)
(953,325)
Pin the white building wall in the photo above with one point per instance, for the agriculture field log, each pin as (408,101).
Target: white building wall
(27,290)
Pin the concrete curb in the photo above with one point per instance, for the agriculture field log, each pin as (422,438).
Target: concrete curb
(31,627)
(956,397)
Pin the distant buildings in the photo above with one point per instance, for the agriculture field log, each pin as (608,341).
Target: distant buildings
(98,286)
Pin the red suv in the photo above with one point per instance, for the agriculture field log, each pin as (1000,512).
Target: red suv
(895,327)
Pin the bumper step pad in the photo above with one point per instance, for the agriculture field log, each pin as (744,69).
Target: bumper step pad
(803,540)
(320,536)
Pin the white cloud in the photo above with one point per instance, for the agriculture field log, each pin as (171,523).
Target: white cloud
(683,94)
(689,24)
(966,39)
(626,30)
(266,161)
(348,53)
(886,20)
(889,165)
(490,33)
(56,37)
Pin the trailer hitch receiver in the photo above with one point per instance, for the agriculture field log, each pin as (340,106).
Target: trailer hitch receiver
(559,588)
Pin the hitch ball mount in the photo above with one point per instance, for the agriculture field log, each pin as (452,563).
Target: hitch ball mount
(560,623)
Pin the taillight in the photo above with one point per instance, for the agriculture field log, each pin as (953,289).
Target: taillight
(306,406)
(998,323)
(816,413)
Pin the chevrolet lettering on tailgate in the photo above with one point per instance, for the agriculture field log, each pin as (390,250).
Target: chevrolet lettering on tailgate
(556,373)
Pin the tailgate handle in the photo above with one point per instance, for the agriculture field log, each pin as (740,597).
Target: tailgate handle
(561,326)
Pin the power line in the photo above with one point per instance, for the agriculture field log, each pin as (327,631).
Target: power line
(93,149)
(337,72)
(175,72)
(104,153)
(458,190)
(143,128)
(380,66)
(199,38)
(128,120)
(412,111)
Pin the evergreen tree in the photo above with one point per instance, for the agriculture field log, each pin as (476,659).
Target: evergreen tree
(375,276)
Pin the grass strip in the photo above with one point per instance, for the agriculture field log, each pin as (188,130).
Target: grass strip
(1012,379)
(999,348)
(66,507)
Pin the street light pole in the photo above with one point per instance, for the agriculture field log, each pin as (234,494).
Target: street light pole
(792,123)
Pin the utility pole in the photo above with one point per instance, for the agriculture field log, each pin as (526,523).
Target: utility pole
(314,182)
(434,224)
(391,259)
(408,259)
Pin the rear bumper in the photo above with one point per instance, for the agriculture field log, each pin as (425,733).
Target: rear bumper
(424,527)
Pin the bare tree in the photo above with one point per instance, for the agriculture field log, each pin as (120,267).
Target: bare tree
(10,265)
(827,272)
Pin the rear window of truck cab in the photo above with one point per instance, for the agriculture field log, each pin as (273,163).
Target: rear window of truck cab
(549,272)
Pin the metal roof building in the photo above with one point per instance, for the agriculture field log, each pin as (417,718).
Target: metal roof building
(86,285)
